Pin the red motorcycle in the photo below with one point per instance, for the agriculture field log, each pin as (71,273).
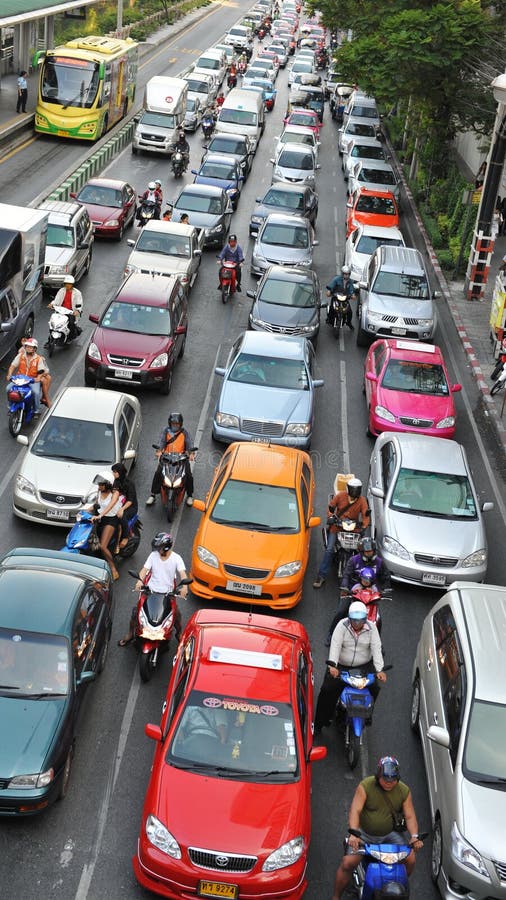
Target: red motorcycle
(156,617)
(232,80)
(228,279)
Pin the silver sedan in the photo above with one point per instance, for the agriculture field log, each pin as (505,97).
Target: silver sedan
(283,240)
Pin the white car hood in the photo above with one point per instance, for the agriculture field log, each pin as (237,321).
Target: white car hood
(59,476)
(482,814)
(159,262)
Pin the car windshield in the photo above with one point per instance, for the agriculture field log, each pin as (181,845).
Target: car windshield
(218,170)
(361,128)
(365,152)
(290,159)
(288,374)
(302,66)
(484,750)
(277,196)
(69,81)
(199,203)
(285,236)
(59,236)
(365,112)
(33,664)
(378,206)
(367,243)
(166,244)
(433,494)
(287,293)
(234,116)
(301,119)
(76,440)
(232,734)
(415,378)
(227,145)
(198,87)
(377,176)
(137,318)
(257,507)
(397,284)
(100,196)
(207,62)
(163,120)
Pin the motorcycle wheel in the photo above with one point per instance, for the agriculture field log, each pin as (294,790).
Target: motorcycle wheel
(16,421)
(171,507)
(225,293)
(496,387)
(133,543)
(146,666)
(353,749)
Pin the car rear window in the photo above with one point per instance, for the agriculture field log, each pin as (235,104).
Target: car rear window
(285,236)
(286,199)
(367,244)
(377,176)
(361,128)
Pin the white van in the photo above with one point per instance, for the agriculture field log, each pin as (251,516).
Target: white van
(162,116)
(212,62)
(243,112)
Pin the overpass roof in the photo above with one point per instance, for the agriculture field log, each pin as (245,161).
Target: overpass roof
(12,12)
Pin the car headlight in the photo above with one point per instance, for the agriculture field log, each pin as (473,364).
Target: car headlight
(298,428)
(288,569)
(231,191)
(226,420)
(129,269)
(286,855)
(384,413)
(373,317)
(94,352)
(304,262)
(160,361)
(394,547)
(25,486)
(160,836)
(256,220)
(216,229)
(449,422)
(39,780)
(426,323)
(478,558)
(112,223)
(207,557)
(464,853)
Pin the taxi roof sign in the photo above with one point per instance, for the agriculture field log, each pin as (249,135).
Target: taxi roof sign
(246,658)
(414,345)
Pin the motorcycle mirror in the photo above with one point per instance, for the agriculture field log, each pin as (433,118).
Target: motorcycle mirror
(130,242)
(185,581)
(194,171)
(455,388)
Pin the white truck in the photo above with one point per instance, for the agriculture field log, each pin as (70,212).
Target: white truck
(22,252)
(162,116)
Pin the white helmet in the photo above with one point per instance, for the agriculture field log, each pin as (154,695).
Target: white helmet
(31,342)
(104,478)
(158,183)
(346,270)
(357,611)
(69,279)
(152,186)
(354,488)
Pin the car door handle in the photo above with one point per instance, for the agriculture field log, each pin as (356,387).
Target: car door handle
(429,665)
(435,718)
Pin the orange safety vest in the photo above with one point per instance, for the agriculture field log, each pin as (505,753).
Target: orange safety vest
(31,368)
(175,443)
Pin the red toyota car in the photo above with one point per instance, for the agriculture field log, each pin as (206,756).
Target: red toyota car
(228,807)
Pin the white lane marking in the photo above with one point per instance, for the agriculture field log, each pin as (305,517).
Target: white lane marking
(344,417)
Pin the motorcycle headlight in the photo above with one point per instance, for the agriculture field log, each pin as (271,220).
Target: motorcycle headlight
(39,780)
(226,420)
(478,558)
(207,557)
(288,569)
(160,361)
(286,855)
(465,853)
(160,836)
(394,547)
(94,352)
(384,413)
(25,486)
(449,422)
(301,429)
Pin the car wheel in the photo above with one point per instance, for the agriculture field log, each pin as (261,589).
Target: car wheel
(65,778)
(88,263)
(28,329)
(134,150)
(362,337)
(414,718)
(436,856)
(183,347)
(166,384)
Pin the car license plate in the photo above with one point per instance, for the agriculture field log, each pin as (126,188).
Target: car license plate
(242,587)
(260,440)
(57,514)
(217,889)
(123,373)
(433,578)
(399,331)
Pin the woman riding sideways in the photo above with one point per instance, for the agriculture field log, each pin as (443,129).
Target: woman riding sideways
(106,508)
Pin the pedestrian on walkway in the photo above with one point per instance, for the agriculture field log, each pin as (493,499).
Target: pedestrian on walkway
(22,92)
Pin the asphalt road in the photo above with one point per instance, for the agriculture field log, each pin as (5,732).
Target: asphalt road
(81,849)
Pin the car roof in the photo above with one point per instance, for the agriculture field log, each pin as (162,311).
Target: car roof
(146,290)
(160,226)
(231,138)
(202,190)
(106,182)
(289,273)
(56,595)
(368,192)
(381,231)
(401,349)
(406,260)
(298,129)
(484,609)
(89,404)
(301,149)
(262,343)
(265,462)
(380,164)
(419,451)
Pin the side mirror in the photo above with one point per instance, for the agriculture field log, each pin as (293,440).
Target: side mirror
(6,326)
(436,294)
(316,754)
(181,329)
(220,370)
(199,504)
(251,294)
(22,439)
(318,166)
(258,199)
(194,171)
(314,521)
(349,205)
(318,382)
(85,678)
(378,493)
(371,376)
(316,243)
(455,388)
(153,731)
(73,194)
(439,735)
(129,454)
(272,161)
(361,284)
(131,242)
(197,252)
(93,318)
(487,506)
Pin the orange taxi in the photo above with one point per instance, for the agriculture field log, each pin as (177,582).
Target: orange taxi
(366,207)
(252,544)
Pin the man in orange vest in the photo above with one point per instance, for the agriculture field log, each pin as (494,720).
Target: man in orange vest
(28,362)
(173,439)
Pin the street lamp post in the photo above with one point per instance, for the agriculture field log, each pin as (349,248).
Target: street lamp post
(483,243)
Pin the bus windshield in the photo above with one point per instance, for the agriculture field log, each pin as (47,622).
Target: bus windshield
(69,82)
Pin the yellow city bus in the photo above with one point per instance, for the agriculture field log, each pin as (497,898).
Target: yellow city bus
(85,86)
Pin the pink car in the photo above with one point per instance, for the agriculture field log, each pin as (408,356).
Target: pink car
(306,117)
(408,390)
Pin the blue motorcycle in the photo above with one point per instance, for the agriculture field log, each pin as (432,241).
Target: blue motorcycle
(356,703)
(382,873)
(83,538)
(21,402)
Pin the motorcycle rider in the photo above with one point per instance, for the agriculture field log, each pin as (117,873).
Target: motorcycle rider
(233,251)
(182,146)
(106,506)
(232,75)
(355,643)
(365,560)
(28,362)
(173,439)
(70,299)
(164,568)
(341,284)
(151,195)
(379,803)
(242,63)
(126,488)
(158,184)
(220,100)
(345,504)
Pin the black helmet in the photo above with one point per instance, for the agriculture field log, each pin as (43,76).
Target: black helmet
(367,545)
(162,541)
(354,488)
(232,237)
(175,417)
(388,768)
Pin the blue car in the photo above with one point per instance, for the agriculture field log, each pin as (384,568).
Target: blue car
(223,172)
(268,90)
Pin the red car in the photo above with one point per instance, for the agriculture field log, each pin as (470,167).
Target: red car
(140,335)
(228,807)
(306,117)
(367,207)
(407,388)
(110,204)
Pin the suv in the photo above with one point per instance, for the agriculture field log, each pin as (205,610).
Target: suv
(140,335)
(457,709)
(69,246)
(395,298)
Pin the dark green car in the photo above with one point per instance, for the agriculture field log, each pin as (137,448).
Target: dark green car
(55,626)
